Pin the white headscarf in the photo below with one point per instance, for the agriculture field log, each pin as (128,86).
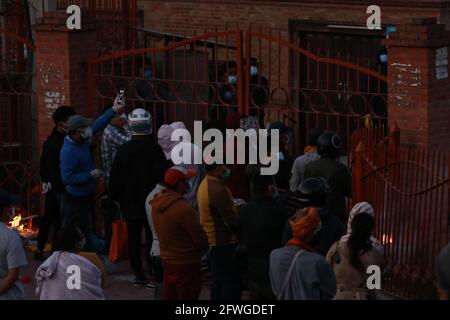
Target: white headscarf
(164,139)
(362,207)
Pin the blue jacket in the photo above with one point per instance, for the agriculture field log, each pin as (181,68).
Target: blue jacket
(77,161)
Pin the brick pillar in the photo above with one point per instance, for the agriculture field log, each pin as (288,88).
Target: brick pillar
(61,56)
(419,84)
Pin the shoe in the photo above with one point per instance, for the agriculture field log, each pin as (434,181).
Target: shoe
(38,256)
(142,281)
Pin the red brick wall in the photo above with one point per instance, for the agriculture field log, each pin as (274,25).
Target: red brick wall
(60,67)
(418,102)
(190,16)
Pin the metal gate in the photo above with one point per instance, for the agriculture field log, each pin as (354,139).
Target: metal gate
(17,168)
(409,190)
(188,80)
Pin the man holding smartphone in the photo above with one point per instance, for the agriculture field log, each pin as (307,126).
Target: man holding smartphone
(78,171)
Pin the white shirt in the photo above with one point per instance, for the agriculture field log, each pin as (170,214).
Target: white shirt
(148,208)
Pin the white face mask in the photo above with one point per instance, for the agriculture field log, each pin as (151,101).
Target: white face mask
(232,79)
(383,58)
(280,156)
(253,70)
(87,133)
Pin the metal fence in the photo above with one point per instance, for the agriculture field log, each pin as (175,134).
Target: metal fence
(18,167)
(409,190)
(189,81)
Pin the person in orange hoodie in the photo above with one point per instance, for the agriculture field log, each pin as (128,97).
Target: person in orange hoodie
(182,239)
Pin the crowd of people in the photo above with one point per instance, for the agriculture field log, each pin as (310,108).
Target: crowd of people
(286,236)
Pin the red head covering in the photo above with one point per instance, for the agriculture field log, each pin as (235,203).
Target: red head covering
(304,228)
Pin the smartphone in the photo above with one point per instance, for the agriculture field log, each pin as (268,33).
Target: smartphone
(122,96)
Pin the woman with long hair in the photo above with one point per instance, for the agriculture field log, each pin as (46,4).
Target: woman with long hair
(351,256)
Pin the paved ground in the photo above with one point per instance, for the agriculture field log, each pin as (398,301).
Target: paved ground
(119,284)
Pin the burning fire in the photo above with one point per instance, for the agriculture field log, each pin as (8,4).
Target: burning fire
(17,223)
(387,239)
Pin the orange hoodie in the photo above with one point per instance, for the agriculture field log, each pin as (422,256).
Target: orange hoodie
(181,237)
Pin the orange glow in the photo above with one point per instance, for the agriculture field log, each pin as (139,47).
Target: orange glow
(18,224)
(387,239)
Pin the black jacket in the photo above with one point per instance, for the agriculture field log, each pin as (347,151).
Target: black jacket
(133,175)
(49,164)
(332,230)
(339,180)
(261,224)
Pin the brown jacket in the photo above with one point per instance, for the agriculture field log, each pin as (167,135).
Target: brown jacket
(182,238)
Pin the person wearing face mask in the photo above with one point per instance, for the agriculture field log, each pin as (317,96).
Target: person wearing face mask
(378,91)
(224,101)
(261,224)
(133,177)
(52,276)
(115,134)
(219,219)
(52,184)
(12,255)
(259,91)
(286,161)
(182,240)
(79,174)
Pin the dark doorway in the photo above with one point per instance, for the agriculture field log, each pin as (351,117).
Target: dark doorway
(334,97)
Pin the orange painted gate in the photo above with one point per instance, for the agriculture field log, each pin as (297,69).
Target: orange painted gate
(187,80)
(410,191)
(18,158)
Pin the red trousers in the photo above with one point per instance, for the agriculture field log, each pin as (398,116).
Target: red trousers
(181,281)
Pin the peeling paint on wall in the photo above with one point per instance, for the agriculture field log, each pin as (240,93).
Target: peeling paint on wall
(51,81)
(406,76)
(52,101)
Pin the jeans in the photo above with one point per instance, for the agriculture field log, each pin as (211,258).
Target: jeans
(134,228)
(226,283)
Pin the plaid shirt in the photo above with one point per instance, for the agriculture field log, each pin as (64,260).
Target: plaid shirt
(113,137)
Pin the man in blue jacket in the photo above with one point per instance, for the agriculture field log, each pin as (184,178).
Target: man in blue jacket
(78,171)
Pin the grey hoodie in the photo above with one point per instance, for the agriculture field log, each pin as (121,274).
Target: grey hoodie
(298,168)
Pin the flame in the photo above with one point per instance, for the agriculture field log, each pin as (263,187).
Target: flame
(387,239)
(15,223)
(18,224)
